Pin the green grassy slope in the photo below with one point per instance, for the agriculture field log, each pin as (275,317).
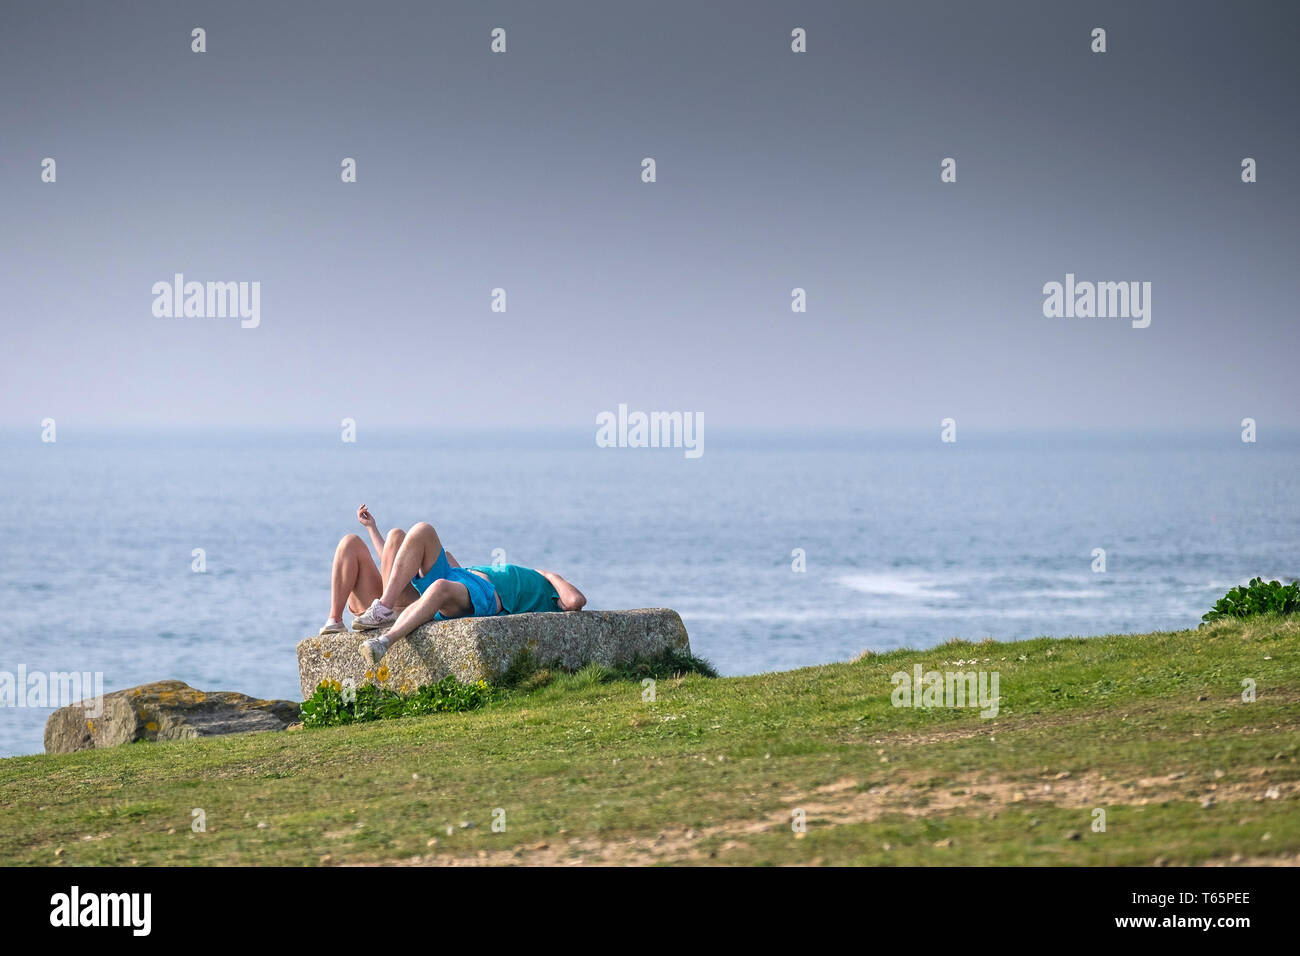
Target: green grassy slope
(1150,728)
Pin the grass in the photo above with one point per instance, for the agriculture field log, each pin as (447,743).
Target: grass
(1149,728)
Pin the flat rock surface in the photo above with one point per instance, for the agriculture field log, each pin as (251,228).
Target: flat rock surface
(483,648)
(162,710)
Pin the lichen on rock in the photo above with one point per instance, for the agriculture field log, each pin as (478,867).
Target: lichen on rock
(483,648)
(162,710)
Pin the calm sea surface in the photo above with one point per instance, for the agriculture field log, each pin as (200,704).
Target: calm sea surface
(907,541)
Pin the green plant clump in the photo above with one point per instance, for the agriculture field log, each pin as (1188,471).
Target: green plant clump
(527,674)
(1257,597)
(331,705)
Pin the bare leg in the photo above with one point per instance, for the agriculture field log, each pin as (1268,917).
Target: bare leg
(417,553)
(354,579)
(392,544)
(449,597)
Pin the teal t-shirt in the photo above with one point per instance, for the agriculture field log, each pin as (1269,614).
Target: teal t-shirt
(522,590)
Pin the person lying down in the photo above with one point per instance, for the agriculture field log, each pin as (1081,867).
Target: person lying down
(417,580)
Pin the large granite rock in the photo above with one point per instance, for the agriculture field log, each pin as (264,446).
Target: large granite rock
(163,710)
(483,648)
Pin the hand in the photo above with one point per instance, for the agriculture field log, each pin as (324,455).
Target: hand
(365,517)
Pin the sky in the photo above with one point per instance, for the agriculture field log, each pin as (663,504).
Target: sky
(522,171)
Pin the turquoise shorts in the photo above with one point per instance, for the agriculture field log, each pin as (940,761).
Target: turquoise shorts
(482,596)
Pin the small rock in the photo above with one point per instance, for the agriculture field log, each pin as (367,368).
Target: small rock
(163,710)
(1074,835)
(467,824)
(432,841)
(261,826)
(944,843)
(1207,802)
(326,859)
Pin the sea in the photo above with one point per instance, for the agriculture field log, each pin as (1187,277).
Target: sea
(204,555)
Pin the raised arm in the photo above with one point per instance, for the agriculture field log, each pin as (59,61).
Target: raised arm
(368,521)
(571,599)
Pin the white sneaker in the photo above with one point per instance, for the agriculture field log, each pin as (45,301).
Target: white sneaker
(374,617)
(333,627)
(374,649)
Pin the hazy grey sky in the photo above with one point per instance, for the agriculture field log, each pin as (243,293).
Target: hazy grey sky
(522,170)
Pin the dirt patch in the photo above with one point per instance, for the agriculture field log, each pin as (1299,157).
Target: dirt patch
(845,802)
(1238,860)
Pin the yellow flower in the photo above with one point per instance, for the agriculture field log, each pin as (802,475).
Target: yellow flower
(382,674)
(369,674)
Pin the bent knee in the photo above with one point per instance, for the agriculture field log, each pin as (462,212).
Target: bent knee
(449,595)
(350,541)
(395,537)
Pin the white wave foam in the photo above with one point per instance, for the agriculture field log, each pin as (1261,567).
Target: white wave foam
(896,585)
